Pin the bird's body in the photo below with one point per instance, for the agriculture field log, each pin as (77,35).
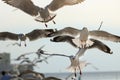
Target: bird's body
(84,37)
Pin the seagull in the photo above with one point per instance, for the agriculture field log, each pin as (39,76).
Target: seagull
(84,35)
(45,14)
(33,35)
(27,6)
(76,64)
(97,44)
(39,52)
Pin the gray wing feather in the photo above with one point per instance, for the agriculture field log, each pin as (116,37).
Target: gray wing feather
(68,31)
(97,34)
(101,46)
(8,35)
(64,39)
(38,33)
(25,5)
(56,4)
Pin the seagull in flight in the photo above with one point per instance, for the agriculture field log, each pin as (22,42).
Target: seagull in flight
(27,6)
(84,36)
(45,14)
(33,35)
(76,64)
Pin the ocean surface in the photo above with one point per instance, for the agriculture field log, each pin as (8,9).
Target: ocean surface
(88,75)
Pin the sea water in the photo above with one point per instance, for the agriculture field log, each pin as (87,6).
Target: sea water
(88,75)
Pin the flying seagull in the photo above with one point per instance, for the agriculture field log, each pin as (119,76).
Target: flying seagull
(45,14)
(33,35)
(84,35)
(27,6)
(76,64)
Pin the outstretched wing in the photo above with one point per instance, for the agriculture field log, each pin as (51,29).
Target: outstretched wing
(56,4)
(98,34)
(39,33)
(8,35)
(64,39)
(68,31)
(101,46)
(25,5)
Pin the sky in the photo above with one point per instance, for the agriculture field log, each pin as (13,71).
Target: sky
(87,14)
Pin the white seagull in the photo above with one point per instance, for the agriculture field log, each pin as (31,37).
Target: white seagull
(83,36)
(41,14)
(45,14)
(76,64)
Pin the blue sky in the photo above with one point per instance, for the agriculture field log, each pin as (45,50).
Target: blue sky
(87,14)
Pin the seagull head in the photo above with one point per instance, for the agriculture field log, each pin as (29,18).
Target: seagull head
(22,37)
(84,28)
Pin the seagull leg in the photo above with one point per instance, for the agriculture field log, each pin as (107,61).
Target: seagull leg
(25,43)
(80,70)
(54,22)
(20,43)
(45,23)
(75,73)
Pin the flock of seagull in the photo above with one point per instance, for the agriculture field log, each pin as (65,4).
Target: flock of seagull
(83,39)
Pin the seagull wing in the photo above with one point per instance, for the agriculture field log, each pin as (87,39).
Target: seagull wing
(68,31)
(80,52)
(25,5)
(101,46)
(98,34)
(8,35)
(97,44)
(56,4)
(38,33)
(64,39)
